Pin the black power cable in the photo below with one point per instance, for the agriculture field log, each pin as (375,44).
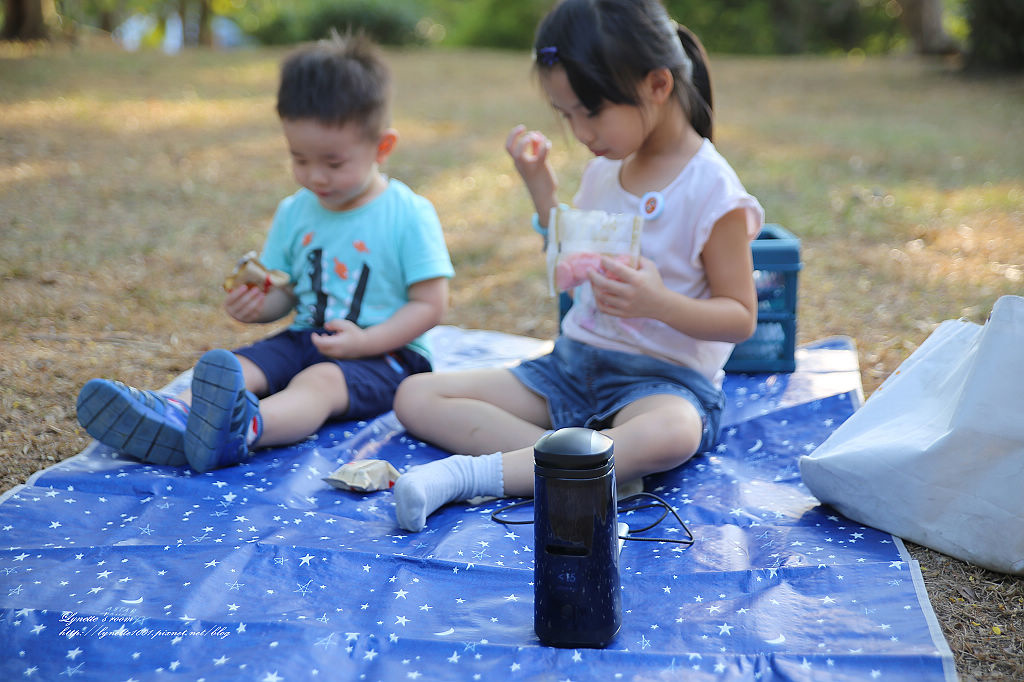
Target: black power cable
(659,503)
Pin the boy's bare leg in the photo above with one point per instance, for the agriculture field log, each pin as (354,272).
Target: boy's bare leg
(313,396)
(227,421)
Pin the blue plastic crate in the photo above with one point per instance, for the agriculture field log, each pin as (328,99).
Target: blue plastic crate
(776,256)
(770,349)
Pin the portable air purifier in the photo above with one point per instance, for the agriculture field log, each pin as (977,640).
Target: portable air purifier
(577,595)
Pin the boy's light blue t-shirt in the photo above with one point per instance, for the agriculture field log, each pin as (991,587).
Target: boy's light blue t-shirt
(356,264)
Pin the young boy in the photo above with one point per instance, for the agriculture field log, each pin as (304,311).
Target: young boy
(368,271)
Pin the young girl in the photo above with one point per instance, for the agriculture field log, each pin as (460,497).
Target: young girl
(641,351)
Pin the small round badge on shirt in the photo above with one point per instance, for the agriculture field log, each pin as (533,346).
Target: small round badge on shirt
(652,204)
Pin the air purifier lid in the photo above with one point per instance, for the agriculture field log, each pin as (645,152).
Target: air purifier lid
(573,448)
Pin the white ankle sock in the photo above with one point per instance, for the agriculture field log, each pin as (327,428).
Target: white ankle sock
(423,489)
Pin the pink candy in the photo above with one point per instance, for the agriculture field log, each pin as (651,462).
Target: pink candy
(572,268)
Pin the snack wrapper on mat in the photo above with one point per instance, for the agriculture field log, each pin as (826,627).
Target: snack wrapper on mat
(365,475)
(577,239)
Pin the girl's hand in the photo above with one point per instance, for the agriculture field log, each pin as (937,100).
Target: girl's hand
(348,340)
(245,303)
(624,291)
(529,151)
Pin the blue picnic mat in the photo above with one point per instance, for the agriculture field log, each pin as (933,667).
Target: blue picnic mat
(111,569)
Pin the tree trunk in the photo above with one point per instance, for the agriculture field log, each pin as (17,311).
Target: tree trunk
(923,21)
(107,21)
(789,19)
(186,37)
(23,20)
(205,16)
(997,35)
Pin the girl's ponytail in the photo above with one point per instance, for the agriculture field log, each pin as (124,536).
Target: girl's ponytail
(699,88)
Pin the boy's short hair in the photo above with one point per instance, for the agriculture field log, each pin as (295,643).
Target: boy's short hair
(336,81)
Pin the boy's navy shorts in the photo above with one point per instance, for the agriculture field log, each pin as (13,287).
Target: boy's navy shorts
(371,381)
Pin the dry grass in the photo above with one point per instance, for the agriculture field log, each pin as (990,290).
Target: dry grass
(130,183)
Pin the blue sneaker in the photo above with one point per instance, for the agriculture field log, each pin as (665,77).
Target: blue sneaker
(143,424)
(225,417)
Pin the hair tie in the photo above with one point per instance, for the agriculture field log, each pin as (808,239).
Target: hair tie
(548,56)
(680,49)
(687,65)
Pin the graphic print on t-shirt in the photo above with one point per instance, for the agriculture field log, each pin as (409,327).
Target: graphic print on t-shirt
(326,296)
(316,280)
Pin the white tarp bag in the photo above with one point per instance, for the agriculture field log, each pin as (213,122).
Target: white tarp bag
(936,454)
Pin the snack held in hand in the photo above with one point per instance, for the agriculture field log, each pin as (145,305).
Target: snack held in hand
(578,239)
(252,273)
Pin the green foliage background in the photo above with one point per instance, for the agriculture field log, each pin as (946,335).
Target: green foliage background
(732,26)
(390,22)
(729,26)
(991,31)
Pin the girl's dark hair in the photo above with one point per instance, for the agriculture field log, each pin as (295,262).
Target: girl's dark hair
(336,81)
(607,47)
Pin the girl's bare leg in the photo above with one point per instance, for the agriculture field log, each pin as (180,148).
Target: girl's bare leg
(653,434)
(473,412)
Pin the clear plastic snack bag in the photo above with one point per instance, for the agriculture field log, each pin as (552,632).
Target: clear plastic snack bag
(577,239)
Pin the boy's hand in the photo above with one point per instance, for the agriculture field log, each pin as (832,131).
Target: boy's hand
(348,340)
(624,291)
(250,304)
(245,303)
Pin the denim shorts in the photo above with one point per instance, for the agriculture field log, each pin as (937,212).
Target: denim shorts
(587,386)
(371,381)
